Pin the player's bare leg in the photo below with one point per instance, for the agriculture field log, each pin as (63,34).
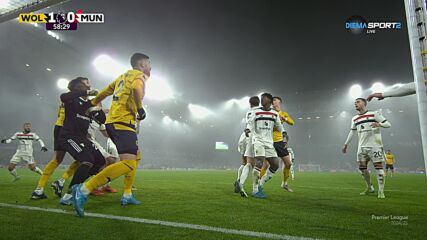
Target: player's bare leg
(265,166)
(12,170)
(259,193)
(286,172)
(381,179)
(47,172)
(273,166)
(35,169)
(363,167)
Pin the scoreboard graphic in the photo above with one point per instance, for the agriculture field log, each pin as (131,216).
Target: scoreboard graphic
(62,21)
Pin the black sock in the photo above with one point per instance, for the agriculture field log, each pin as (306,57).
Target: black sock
(82,173)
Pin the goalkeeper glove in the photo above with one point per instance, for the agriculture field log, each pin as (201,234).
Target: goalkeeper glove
(141,114)
(92,92)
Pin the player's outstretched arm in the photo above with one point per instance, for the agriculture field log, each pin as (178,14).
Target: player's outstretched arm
(37,138)
(9,140)
(288,119)
(397,91)
(69,96)
(109,90)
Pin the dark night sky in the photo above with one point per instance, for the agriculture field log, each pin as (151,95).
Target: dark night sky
(212,51)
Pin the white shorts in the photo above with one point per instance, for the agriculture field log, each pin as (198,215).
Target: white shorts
(104,153)
(17,158)
(374,154)
(249,149)
(264,150)
(241,146)
(112,149)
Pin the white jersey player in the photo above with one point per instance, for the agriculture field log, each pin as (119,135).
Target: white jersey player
(367,124)
(25,150)
(261,124)
(246,149)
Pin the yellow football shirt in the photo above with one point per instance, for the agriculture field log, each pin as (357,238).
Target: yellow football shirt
(123,107)
(390,158)
(61,116)
(284,118)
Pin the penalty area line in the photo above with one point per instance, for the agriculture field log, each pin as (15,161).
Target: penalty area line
(162,223)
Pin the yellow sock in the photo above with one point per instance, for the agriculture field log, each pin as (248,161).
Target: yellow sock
(386,173)
(286,172)
(110,173)
(129,179)
(71,170)
(263,171)
(47,172)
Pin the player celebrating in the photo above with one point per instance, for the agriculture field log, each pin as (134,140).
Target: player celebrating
(128,93)
(390,161)
(280,142)
(261,124)
(25,150)
(248,153)
(367,124)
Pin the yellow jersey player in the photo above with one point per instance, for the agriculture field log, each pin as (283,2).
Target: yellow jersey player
(57,159)
(390,161)
(128,92)
(280,140)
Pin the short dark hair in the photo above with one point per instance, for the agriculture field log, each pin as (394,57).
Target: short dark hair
(363,100)
(268,95)
(136,57)
(254,101)
(27,123)
(73,83)
(278,98)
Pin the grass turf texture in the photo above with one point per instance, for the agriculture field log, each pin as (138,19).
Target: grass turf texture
(324,205)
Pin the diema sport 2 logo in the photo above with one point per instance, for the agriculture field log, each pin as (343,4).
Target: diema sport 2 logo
(62,20)
(358,25)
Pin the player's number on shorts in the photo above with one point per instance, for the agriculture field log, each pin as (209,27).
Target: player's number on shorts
(119,89)
(377,154)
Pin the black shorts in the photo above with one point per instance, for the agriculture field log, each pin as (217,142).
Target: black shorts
(389,166)
(81,149)
(126,141)
(281,149)
(56,145)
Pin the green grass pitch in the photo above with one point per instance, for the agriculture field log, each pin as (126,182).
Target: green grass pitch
(324,205)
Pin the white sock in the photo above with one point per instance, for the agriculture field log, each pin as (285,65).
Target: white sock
(61,181)
(14,173)
(256,173)
(84,190)
(39,190)
(67,196)
(127,195)
(381,179)
(292,172)
(245,173)
(268,175)
(38,170)
(367,177)
(239,172)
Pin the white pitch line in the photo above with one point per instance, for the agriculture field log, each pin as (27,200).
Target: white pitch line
(163,223)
